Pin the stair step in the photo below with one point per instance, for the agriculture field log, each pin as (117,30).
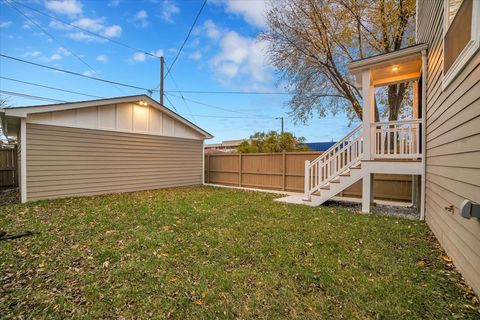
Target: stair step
(325,187)
(356,167)
(336,180)
(345,174)
(316,193)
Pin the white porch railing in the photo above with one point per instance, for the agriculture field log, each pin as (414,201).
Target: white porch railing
(334,161)
(396,139)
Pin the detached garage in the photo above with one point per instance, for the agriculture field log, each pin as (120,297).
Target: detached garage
(104,146)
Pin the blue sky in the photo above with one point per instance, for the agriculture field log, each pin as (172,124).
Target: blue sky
(222,54)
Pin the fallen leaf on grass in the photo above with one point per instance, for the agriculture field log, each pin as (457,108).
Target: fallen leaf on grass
(198,302)
(475,301)
(446,259)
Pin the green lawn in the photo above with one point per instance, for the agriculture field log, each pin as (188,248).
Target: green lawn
(204,253)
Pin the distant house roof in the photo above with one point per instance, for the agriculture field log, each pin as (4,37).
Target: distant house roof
(226,144)
(319,146)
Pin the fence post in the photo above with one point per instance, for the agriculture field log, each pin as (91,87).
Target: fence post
(284,169)
(15,165)
(208,168)
(239,169)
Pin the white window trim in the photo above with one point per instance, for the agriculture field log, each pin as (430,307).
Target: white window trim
(470,49)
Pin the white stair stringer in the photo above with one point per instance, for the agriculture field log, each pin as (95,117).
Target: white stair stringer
(343,181)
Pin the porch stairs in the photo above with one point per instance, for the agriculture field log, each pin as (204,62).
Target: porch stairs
(335,186)
(334,171)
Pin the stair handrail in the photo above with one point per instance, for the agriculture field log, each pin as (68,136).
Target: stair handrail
(338,147)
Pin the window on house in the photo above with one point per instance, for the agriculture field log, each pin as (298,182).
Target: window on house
(461,37)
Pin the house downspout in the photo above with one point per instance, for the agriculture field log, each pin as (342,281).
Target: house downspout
(23,159)
(424,134)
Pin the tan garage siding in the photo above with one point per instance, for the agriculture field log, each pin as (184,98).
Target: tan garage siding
(65,161)
(453,147)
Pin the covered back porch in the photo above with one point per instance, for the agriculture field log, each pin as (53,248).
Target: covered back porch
(393,145)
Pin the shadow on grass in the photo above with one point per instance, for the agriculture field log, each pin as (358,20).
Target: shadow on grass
(5,236)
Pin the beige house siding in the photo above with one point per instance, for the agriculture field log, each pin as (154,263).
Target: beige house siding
(66,161)
(452,147)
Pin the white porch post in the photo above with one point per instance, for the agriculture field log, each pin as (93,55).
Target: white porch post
(306,182)
(416,109)
(367,192)
(368,94)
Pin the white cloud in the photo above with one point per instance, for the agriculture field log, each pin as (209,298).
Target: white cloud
(139,57)
(195,42)
(142,57)
(112,31)
(55,57)
(197,55)
(102,58)
(88,73)
(158,53)
(63,51)
(211,29)
(33,54)
(5,24)
(168,10)
(140,19)
(142,14)
(241,56)
(92,25)
(67,7)
(114,3)
(254,12)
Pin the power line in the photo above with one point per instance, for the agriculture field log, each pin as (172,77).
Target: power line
(75,73)
(52,88)
(171,104)
(231,92)
(186,38)
(34,97)
(182,97)
(54,38)
(220,108)
(84,30)
(29,96)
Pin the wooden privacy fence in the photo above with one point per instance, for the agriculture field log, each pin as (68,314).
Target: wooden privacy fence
(285,171)
(8,168)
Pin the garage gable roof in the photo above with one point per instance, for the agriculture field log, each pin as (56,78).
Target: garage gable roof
(24,111)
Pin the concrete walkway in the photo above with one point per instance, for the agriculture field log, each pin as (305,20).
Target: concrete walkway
(297,198)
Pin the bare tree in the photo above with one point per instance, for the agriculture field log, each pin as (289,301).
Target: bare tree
(310,42)
(3,104)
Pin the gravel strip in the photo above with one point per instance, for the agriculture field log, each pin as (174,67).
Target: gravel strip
(380,209)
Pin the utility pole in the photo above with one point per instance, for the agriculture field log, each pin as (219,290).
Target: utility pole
(280,118)
(162,63)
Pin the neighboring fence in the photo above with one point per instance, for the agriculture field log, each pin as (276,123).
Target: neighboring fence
(285,171)
(8,168)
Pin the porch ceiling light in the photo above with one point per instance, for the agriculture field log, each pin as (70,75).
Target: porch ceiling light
(395,68)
